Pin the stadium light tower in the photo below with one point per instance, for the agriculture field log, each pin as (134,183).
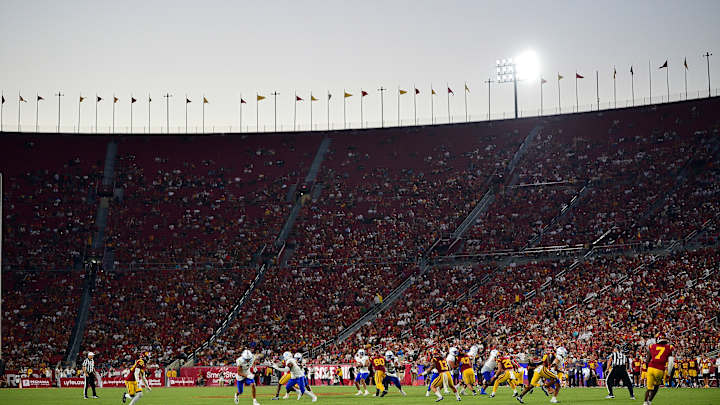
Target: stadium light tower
(523,67)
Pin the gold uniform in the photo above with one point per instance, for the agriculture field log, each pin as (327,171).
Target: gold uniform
(131,383)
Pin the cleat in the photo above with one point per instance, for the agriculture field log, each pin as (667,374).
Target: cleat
(274,398)
(95,397)
(383,394)
(366,393)
(123,398)
(632,397)
(519,399)
(427,393)
(547,394)
(403,392)
(554,400)
(358,393)
(314,399)
(439,399)
(286,396)
(610,397)
(492,395)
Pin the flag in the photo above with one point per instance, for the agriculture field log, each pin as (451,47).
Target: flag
(298,98)
(664,65)
(98,99)
(149,99)
(22,99)
(402,91)
(685,64)
(542,81)
(40,98)
(242,101)
(467,88)
(3,100)
(432,91)
(363,93)
(259,97)
(579,76)
(631,70)
(312,98)
(205,101)
(329,96)
(82,98)
(417,91)
(132,100)
(115,99)
(450,91)
(560,77)
(187,100)
(346,95)
(614,73)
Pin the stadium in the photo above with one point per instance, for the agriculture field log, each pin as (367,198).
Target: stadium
(553,252)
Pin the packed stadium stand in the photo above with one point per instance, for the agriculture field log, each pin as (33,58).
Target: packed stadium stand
(592,222)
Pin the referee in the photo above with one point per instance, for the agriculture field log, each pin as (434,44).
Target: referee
(619,363)
(88,369)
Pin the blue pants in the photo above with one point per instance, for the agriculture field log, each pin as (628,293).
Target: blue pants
(392,380)
(242,383)
(300,383)
(433,376)
(361,377)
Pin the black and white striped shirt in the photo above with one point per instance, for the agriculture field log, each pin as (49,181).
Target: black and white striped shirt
(618,359)
(89,365)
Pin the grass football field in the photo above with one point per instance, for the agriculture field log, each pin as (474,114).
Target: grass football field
(345,396)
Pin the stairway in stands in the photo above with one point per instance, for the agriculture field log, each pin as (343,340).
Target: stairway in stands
(425,262)
(95,259)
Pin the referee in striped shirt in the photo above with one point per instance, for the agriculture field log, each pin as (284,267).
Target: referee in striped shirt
(619,363)
(88,368)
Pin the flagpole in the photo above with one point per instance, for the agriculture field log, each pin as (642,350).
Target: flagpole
(344,117)
(667,81)
(398,110)
(275,94)
(203,116)
(311,105)
(615,87)
(328,110)
(432,105)
(96,103)
(149,103)
(37,109)
(113,115)
(362,101)
(489,81)
(59,94)
(686,69)
(79,109)
(466,113)
(632,84)
(382,109)
(257,112)
(707,56)
(131,113)
(415,103)
(186,107)
(167,111)
(18,126)
(559,102)
(448,105)
(2,107)
(295,113)
(541,96)
(650,79)
(577,100)
(240,113)
(597,88)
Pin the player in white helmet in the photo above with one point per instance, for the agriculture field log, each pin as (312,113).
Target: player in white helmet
(246,374)
(297,375)
(303,364)
(488,370)
(362,362)
(391,365)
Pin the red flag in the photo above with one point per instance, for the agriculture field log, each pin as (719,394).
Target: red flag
(579,76)
(664,65)
(450,91)
(363,93)
(417,91)
(242,101)
(298,98)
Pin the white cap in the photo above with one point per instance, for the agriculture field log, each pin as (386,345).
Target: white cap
(90,354)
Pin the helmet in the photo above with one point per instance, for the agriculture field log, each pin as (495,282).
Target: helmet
(361,352)
(298,356)
(246,355)
(473,350)
(561,352)
(238,361)
(494,353)
(389,354)
(287,356)
(454,351)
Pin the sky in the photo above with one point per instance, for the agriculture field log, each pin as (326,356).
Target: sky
(222,49)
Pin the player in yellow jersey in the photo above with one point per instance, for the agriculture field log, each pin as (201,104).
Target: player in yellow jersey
(551,362)
(444,377)
(506,374)
(132,379)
